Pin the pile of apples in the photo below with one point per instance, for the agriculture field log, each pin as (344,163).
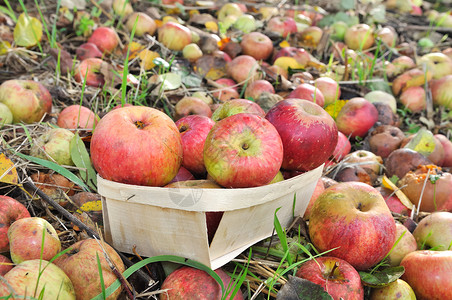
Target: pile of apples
(236,142)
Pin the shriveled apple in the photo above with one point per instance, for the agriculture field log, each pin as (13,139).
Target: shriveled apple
(385,139)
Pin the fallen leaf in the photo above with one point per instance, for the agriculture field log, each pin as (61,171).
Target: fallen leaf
(387,183)
(170,81)
(147,58)
(298,288)
(28,31)
(423,142)
(382,278)
(8,172)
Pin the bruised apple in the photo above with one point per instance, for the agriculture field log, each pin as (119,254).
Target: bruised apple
(10,211)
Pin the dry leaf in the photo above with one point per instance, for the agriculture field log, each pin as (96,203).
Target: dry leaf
(28,31)
(8,173)
(147,58)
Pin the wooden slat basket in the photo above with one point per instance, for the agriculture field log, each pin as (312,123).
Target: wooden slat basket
(171,221)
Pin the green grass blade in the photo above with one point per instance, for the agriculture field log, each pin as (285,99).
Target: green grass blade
(101,277)
(81,159)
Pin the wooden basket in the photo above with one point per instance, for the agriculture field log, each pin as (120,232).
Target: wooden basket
(172,221)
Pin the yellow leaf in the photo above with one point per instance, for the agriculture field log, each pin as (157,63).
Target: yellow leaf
(211,26)
(147,58)
(91,206)
(423,142)
(8,173)
(402,197)
(284,44)
(287,62)
(334,108)
(134,49)
(4,46)
(28,31)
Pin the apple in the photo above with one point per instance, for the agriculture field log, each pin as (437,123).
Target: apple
(81,266)
(243,68)
(414,98)
(225,94)
(387,35)
(192,52)
(27,100)
(136,145)
(438,63)
(6,116)
(319,188)
(441,91)
(257,45)
(105,38)
(245,23)
(359,37)
(190,283)
(10,211)
(193,130)
(237,106)
(174,36)
(39,279)
(385,139)
(412,77)
(228,284)
(339,29)
(300,55)
(243,150)
(191,106)
(308,92)
(122,8)
(311,36)
(145,24)
(447,146)
(406,244)
(256,88)
(88,50)
(54,145)
(89,68)
(367,160)
(428,273)
(448,52)
(5,265)
(342,148)
(435,231)
(356,117)
(398,289)
(329,88)
(400,65)
(228,10)
(282,26)
(393,202)
(340,217)
(26,237)
(182,175)
(204,96)
(227,82)
(77,116)
(172,1)
(308,133)
(336,276)
(383,97)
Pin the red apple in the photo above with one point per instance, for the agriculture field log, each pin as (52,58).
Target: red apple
(342,148)
(412,77)
(243,150)
(77,116)
(448,52)
(308,132)
(37,279)
(136,145)
(388,35)
(414,98)
(447,146)
(145,24)
(256,88)
(227,82)
(336,276)
(354,218)
(90,69)
(81,266)
(5,265)
(174,36)
(10,211)
(356,117)
(359,37)
(308,92)
(226,93)
(88,50)
(438,63)
(172,1)
(301,55)
(194,130)
(393,202)
(26,237)
(242,68)
(257,45)
(191,106)
(182,175)
(435,231)
(282,25)
(237,106)
(105,38)
(329,88)
(319,188)
(428,273)
(228,284)
(406,244)
(27,100)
